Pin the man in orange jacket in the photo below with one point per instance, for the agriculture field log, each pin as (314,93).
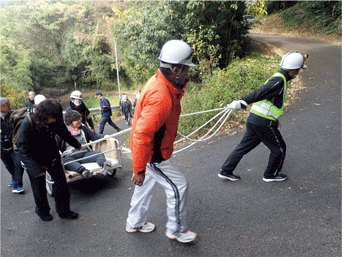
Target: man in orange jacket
(153,133)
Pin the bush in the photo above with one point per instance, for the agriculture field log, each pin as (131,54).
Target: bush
(17,99)
(320,16)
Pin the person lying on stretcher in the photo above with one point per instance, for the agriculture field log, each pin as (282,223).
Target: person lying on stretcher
(83,134)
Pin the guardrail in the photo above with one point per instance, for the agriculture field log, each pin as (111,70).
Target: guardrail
(94,111)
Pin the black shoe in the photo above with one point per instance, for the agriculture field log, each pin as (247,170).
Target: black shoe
(45,217)
(118,130)
(277,178)
(229,176)
(70,215)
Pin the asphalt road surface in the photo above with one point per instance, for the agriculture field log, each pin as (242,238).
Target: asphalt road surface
(298,217)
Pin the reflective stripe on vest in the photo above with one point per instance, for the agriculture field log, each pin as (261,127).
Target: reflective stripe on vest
(266,108)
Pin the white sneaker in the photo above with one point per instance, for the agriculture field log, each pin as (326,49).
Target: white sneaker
(184,237)
(107,166)
(146,228)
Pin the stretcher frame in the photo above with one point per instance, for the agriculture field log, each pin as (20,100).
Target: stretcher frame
(109,146)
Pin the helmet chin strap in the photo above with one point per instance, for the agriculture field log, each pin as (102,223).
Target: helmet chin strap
(177,76)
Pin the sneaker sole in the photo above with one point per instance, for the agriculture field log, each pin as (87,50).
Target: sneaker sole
(132,230)
(224,177)
(18,192)
(273,180)
(173,237)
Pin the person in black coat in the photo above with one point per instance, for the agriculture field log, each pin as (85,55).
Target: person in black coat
(84,135)
(126,109)
(263,121)
(30,102)
(37,149)
(77,104)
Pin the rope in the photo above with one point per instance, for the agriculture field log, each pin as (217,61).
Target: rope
(213,110)
(224,117)
(225,113)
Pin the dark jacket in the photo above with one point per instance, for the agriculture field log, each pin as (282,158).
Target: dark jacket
(126,107)
(84,111)
(89,135)
(6,132)
(37,145)
(106,110)
(273,91)
(29,103)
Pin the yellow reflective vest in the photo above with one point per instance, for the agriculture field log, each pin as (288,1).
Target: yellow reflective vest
(266,108)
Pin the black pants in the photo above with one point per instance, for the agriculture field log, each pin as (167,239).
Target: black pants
(12,163)
(254,135)
(38,184)
(127,116)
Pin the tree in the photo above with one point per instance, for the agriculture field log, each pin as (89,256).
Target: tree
(48,40)
(215,27)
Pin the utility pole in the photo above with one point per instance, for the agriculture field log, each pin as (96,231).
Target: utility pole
(117,70)
(74,77)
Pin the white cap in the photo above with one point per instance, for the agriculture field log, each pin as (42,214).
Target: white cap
(38,99)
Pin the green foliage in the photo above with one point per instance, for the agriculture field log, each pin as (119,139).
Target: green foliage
(214,26)
(257,8)
(315,16)
(17,99)
(141,37)
(44,43)
(275,6)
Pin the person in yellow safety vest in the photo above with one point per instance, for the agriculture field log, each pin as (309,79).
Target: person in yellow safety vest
(262,123)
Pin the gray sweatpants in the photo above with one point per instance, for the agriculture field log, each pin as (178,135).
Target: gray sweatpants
(174,183)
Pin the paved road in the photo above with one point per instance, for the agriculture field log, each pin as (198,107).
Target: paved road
(298,217)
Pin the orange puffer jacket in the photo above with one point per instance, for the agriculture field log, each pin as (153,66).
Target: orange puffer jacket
(155,122)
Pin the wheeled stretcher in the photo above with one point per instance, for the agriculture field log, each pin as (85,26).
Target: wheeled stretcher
(109,146)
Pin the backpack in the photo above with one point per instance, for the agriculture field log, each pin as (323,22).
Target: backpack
(17,117)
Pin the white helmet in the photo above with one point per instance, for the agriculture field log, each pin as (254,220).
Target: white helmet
(76,95)
(175,52)
(293,61)
(38,99)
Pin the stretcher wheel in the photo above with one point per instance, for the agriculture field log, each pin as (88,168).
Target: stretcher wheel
(50,185)
(113,174)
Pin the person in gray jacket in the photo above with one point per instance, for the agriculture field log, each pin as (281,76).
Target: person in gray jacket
(83,135)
